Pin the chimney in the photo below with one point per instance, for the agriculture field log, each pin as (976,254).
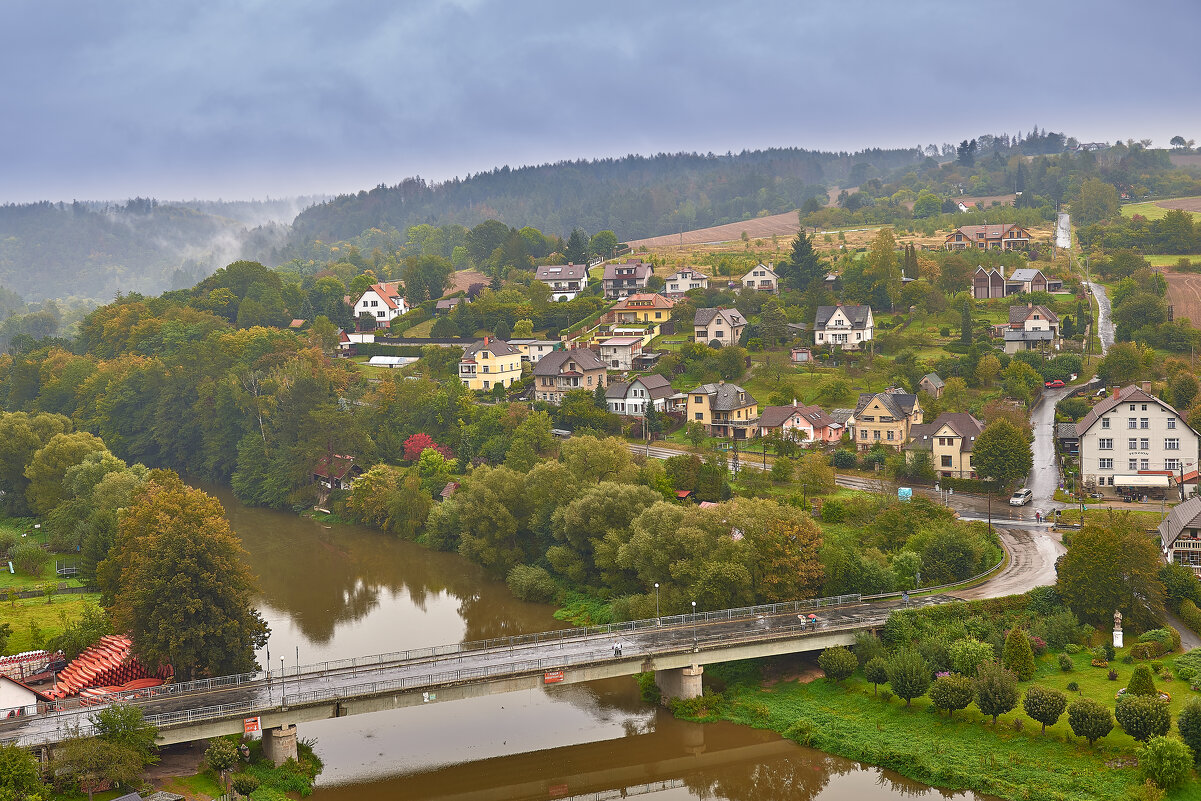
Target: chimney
(1030,305)
(1147,387)
(1116,392)
(485,340)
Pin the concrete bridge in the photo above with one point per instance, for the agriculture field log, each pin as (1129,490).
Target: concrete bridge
(675,648)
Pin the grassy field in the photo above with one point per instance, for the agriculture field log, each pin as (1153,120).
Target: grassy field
(1152,210)
(47,617)
(1012,760)
(1166,260)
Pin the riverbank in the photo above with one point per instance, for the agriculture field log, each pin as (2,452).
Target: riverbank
(1014,760)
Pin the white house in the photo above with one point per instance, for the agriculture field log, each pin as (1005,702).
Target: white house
(16,698)
(634,397)
(384,302)
(1134,442)
(534,349)
(1031,327)
(724,326)
(618,353)
(843,327)
(763,278)
(683,280)
(566,281)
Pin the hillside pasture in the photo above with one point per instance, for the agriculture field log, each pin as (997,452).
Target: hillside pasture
(1156,209)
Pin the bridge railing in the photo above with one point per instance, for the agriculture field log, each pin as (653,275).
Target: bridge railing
(677,641)
(565,635)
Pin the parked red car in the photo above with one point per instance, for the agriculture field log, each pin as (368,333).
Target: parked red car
(1056,384)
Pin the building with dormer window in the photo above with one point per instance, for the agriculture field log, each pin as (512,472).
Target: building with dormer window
(626,278)
(843,327)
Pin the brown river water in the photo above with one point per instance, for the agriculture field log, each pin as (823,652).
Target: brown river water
(342,591)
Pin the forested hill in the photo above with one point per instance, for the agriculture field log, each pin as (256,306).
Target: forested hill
(635,196)
(91,251)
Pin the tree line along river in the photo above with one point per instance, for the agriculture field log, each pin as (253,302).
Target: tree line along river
(334,592)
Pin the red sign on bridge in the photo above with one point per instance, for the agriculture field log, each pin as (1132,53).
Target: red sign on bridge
(552,677)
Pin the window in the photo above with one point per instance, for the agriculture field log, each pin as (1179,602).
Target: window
(1144,407)
(1171,444)
(1144,444)
(1144,464)
(485,385)
(379,314)
(862,434)
(875,435)
(1171,464)
(890,435)
(1171,422)
(946,461)
(700,415)
(1132,444)
(1105,464)
(1144,422)
(1133,464)
(1104,422)
(1132,407)
(1131,422)
(374,303)
(1105,444)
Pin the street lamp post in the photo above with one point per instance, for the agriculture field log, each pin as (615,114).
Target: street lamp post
(268,668)
(695,640)
(657,620)
(283,684)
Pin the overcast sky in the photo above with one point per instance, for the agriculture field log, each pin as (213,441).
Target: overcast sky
(252,99)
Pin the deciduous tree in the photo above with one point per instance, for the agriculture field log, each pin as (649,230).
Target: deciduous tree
(1143,716)
(908,674)
(1112,566)
(951,692)
(1089,719)
(1044,706)
(177,582)
(996,690)
(1002,452)
(837,663)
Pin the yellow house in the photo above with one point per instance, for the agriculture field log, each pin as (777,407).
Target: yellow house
(884,418)
(489,362)
(725,410)
(646,307)
(949,440)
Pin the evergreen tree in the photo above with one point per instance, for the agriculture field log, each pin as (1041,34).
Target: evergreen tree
(965,323)
(577,247)
(1018,655)
(996,690)
(804,265)
(1044,706)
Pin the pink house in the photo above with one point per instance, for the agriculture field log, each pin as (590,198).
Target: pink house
(801,422)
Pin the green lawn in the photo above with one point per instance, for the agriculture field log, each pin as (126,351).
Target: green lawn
(1148,209)
(1013,760)
(47,617)
(1166,260)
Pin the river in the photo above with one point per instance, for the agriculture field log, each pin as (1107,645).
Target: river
(342,591)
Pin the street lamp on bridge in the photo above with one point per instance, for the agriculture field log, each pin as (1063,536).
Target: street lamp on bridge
(695,645)
(657,620)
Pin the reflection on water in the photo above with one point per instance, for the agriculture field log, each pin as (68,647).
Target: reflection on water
(343,591)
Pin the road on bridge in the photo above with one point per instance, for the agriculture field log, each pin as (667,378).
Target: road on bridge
(631,644)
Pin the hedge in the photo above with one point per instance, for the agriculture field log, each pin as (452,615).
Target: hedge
(1190,615)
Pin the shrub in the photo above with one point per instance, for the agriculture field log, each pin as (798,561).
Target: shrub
(1071,648)
(908,674)
(244,783)
(1060,629)
(1166,761)
(838,663)
(1188,722)
(1018,655)
(1191,616)
(1089,719)
(8,541)
(1141,682)
(1107,648)
(532,583)
(1143,717)
(996,689)
(1074,686)
(1065,663)
(843,460)
(1044,705)
(951,692)
(1157,667)
(1112,675)
(29,558)
(886,695)
(876,671)
(968,654)
(867,647)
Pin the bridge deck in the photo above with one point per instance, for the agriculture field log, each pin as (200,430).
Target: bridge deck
(181,712)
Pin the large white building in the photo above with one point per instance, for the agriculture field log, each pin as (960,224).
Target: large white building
(843,327)
(381,302)
(1134,442)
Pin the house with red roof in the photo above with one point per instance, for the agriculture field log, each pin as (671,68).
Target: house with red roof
(382,302)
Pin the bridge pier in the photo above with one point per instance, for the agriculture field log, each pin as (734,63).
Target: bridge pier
(279,744)
(682,682)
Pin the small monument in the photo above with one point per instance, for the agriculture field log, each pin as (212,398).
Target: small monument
(1117,629)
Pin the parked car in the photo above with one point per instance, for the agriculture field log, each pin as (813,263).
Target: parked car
(1021,497)
(1054,384)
